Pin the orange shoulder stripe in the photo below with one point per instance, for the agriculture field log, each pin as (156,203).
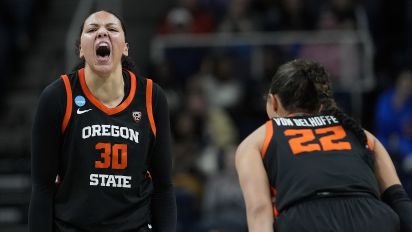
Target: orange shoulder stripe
(268,137)
(69,100)
(149,91)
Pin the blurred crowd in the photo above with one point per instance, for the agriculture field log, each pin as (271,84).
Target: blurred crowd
(216,101)
(18,19)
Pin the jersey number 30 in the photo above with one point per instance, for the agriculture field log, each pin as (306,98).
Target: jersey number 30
(330,139)
(114,155)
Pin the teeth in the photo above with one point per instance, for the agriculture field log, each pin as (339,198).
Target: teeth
(103,44)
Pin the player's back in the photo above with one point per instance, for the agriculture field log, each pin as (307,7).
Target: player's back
(315,155)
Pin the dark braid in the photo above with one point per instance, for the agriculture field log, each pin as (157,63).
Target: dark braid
(328,106)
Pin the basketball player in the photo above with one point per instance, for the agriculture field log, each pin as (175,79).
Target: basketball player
(104,133)
(318,167)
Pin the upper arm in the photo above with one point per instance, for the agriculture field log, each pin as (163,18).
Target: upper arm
(47,134)
(385,171)
(45,150)
(252,175)
(161,156)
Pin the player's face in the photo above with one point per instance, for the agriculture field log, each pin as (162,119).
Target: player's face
(102,42)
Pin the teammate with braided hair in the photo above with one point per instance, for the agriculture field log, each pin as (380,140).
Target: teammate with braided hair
(311,167)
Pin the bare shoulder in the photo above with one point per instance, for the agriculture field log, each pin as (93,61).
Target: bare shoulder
(384,169)
(371,139)
(253,142)
(369,135)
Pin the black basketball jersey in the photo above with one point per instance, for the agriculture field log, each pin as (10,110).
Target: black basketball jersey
(306,155)
(104,183)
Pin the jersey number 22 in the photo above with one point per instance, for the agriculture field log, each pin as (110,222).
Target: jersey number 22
(330,139)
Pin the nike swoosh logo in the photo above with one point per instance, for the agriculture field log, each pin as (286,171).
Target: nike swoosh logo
(82,111)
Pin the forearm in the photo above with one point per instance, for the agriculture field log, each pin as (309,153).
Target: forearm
(164,213)
(397,198)
(260,219)
(41,210)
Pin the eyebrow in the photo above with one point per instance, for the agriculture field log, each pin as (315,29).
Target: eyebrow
(107,25)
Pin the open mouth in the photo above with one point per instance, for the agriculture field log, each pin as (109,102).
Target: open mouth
(103,52)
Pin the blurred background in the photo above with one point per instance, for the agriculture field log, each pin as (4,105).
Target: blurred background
(214,59)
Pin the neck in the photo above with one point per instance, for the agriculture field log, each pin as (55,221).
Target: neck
(107,88)
(298,114)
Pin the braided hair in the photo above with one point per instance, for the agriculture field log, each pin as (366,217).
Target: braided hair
(304,86)
(296,91)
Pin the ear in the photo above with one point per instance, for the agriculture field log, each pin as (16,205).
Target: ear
(272,106)
(126,50)
(320,108)
(81,54)
(274,102)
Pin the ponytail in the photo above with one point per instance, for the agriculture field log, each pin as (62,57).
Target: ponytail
(328,106)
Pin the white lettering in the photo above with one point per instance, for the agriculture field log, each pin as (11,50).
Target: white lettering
(96,130)
(298,121)
(103,179)
(86,132)
(317,121)
(93,179)
(283,121)
(313,121)
(287,122)
(115,131)
(304,122)
(334,119)
(322,118)
(105,130)
(126,182)
(124,132)
(110,130)
(111,182)
(134,135)
(115,181)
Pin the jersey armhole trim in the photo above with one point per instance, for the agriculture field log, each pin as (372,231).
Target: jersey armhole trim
(370,142)
(149,108)
(69,97)
(268,137)
(273,193)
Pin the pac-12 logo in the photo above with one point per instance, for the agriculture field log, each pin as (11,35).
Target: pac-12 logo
(137,115)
